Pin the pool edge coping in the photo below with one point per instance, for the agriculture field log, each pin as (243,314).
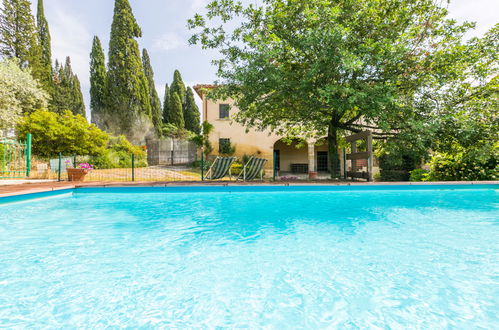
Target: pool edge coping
(32,189)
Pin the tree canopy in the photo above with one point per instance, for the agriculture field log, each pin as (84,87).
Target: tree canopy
(67,90)
(98,75)
(18,35)
(20,93)
(127,86)
(153,93)
(336,66)
(62,133)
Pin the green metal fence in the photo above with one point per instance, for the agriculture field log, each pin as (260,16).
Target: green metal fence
(15,158)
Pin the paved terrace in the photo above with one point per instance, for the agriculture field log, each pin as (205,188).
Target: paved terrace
(31,188)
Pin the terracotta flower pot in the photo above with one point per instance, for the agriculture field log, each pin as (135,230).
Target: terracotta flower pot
(312,175)
(77,174)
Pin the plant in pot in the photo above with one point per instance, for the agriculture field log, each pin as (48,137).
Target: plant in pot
(79,172)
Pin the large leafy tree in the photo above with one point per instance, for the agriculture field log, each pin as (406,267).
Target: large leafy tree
(128,91)
(19,93)
(18,35)
(67,90)
(46,52)
(330,66)
(191,113)
(98,75)
(153,93)
(65,133)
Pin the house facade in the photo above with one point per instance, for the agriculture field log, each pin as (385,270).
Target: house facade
(302,157)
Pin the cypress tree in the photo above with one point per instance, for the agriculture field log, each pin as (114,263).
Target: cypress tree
(175,115)
(191,113)
(166,105)
(46,53)
(153,94)
(178,86)
(18,35)
(98,84)
(67,90)
(127,87)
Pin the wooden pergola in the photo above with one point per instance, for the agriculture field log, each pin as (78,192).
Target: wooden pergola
(354,156)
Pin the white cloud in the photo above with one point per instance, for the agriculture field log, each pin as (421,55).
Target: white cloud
(170,41)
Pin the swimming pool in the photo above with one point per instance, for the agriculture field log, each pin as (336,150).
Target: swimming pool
(252,257)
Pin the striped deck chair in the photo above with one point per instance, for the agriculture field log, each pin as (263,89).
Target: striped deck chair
(252,169)
(220,168)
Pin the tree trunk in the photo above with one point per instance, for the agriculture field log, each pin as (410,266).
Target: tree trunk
(334,157)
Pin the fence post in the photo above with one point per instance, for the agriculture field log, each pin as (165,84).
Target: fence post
(202,165)
(28,155)
(133,167)
(60,168)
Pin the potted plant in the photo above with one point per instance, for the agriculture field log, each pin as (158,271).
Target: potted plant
(79,172)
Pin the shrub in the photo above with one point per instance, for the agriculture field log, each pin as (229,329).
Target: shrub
(236,168)
(464,166)
(119,155)
(418,175)
(64,133)
(396,162)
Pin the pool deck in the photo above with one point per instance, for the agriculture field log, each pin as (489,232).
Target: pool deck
(31,188)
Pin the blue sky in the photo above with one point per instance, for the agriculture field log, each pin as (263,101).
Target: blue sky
(73,23)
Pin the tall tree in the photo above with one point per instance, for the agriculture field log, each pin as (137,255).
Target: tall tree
(153,94)
(98,77)
(45,46)
(178,86)
(18,35)
(67,90)
(166,104)
(19,93)
(331,66)
(191,113)
(128,91)
(175,115)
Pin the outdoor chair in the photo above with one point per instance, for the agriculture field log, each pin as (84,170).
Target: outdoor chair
(220,168)
(252,169)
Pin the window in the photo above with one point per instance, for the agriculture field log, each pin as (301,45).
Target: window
(224,146)
(224,111)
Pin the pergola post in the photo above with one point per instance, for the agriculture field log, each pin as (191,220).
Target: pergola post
(312,170)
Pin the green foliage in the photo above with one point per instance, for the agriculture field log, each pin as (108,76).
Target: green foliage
(46,51)
(166,105)
(396,161)
(203,140)
(64,133)
(98,76)
(465,165)
(67,90)
(418,175)
(337,65)
(175,114)
(19,37)
(191,113)
(178,86)
(127,87)
(118,154)
(153,94)
(227,149)
(172,131)
(20,93)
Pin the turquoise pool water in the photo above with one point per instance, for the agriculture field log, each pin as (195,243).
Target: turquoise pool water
(280,258)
